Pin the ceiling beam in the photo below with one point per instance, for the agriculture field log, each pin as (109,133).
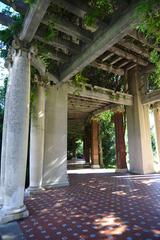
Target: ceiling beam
(108,107)
(107,56)
(68,28)
(108,68)
(105,38)
(128,56)
(59,43)
(76,7)
(103,94)
(33,19)
(135,48)
(151,98)
(17,5)
(139,36)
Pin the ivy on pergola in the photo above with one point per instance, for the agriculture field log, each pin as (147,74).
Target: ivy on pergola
(83,22)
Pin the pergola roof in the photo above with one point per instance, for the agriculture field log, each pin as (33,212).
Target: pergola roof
(113,45)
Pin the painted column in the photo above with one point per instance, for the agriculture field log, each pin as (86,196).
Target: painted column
(37,140)
(95,143)
(157,126)
(121,165)
(139,139)
(16,139)
(55,151)
(87,143)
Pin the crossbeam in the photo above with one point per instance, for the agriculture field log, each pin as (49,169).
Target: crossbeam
(104,39)
(151,98)
(103,94)
(33,19)
(68,28)
(108,68)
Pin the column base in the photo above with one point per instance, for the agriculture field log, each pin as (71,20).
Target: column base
(95,166)
(121,170)
(9,215)
(33,190)
(141,172)
(56,184)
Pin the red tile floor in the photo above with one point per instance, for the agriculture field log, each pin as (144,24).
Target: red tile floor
(96,206)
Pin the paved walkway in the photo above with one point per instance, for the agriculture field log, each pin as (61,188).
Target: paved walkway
(96,206)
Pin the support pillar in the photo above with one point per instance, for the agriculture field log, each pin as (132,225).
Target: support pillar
(95,143)
(37,140)
(87,143)
(4,135)
(139,140)
(16,139)
(55,151)
(121,165)
(157,126)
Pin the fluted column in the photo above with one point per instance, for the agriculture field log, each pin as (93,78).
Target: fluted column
(37,139)
(55,147)
(157,126)
(139,137)
(4,135)
(16,138)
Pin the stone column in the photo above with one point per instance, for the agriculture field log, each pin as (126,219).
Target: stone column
(4,134)
(16,139)
(157,126)
(37,140)
(55,151)
(95,143)
(121,165)
(139,140)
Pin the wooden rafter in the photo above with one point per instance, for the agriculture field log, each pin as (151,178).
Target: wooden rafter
(108,68)
(128,56)
(106,56)
(134,48)
(33,19)
(104,39)
(151,98)
(68,28)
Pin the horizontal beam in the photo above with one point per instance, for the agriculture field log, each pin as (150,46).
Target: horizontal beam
(58,42)
(134,48)
(108,68)
(108,107)
(68,28)
(128,56)
(103,94)
(17,5)
(104,39)
(38,64)
(76,7)
(151,98)
(33,19)
(139,36)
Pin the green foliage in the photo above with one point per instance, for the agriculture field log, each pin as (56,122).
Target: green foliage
(29,2)
(79,82)
(149,13)
(107,132)
(100,9)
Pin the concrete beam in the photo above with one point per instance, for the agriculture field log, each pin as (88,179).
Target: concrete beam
(151,98)
(104,39)
(108,68)
(103,94)
(33,19)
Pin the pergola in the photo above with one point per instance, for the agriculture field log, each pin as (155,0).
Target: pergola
(114,46)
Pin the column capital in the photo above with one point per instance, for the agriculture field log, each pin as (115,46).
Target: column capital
(156,106)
